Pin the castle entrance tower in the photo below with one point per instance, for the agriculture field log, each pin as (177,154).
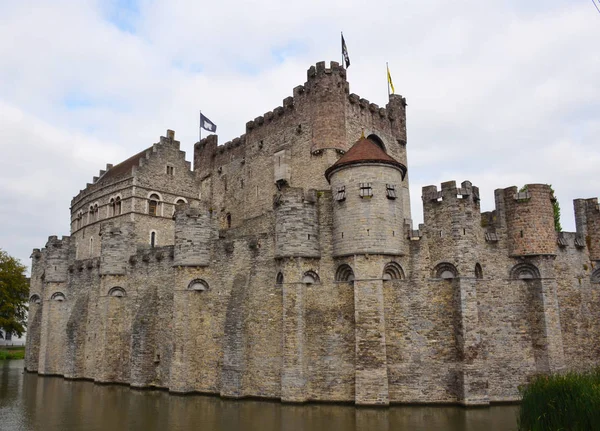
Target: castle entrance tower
(368,231)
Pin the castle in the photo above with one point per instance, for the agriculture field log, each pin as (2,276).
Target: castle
(285,265)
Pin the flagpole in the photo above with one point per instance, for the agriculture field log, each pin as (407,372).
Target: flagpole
(342,41)
(200,128)
(387,78)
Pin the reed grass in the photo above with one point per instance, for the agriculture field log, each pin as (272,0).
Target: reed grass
(565,402)
(16,352)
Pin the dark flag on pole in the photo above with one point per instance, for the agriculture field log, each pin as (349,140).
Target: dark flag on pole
(345,52)
(206,124)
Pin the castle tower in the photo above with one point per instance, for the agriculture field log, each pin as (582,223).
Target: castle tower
(34,318)
(453,221)
(57,259)
(453,224)
(530,220)
(587,220)
(532,237)
(368,210)
(117,244)
(368,226)
(329,89)
(296,224)
(192,235)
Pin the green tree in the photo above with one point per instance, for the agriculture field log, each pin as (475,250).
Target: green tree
(14,293)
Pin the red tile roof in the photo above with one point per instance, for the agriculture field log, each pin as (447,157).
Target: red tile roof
(364,151)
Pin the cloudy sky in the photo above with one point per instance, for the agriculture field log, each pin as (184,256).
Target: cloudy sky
(500,92)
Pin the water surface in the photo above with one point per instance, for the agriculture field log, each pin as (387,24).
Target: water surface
(29,402)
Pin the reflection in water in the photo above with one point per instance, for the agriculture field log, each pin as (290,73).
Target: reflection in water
(29,402)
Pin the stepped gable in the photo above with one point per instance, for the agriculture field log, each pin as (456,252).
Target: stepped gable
(364,151)
(124,168)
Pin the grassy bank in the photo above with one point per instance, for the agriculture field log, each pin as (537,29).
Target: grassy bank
(569,402)
(12,352)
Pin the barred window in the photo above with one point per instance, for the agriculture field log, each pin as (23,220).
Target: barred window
(341,194)
(366,191)
(391,191)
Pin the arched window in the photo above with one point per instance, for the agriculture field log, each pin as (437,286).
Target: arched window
(279,279)
(152,238)
(111,207)
(117,206)
(198,285)
(153,204)
(393,271)
(376,139)
(178,201)
(35,299)
(344,273)
(117,292)
(524,271)
(91,214)
(478,271)
(228,216)
(58,296)
(310,277)
(91,246)
(96,212)
(596,276)
(445,270)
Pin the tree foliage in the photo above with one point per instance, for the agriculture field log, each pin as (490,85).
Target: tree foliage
(556,208)
(14,294)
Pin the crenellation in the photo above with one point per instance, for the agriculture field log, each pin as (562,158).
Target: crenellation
(184,278)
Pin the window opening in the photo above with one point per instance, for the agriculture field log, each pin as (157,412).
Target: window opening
(152,239)
(366,191)
(198,285)
(228,220)
(153,205)
(340,194)
(391,191)
(118,206)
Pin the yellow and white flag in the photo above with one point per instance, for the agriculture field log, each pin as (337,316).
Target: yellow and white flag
(391,84)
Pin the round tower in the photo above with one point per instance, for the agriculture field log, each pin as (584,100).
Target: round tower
(296,223)
(192,235)
(368,207)
(452,219)
(530,220)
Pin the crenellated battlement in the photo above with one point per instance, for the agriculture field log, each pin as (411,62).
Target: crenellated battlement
(529,216)
(56,258)
(587,220)
(322,86)
(453,224)
(450,194)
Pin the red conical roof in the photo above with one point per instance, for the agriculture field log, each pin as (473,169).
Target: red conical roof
(364,151)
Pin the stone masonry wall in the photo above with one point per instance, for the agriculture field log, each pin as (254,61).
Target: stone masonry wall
(250,290)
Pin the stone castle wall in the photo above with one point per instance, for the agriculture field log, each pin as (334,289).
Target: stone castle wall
(250,290)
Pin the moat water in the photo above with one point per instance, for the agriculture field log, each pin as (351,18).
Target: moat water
(29,402)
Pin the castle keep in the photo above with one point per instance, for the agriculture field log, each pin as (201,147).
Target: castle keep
(285,265)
